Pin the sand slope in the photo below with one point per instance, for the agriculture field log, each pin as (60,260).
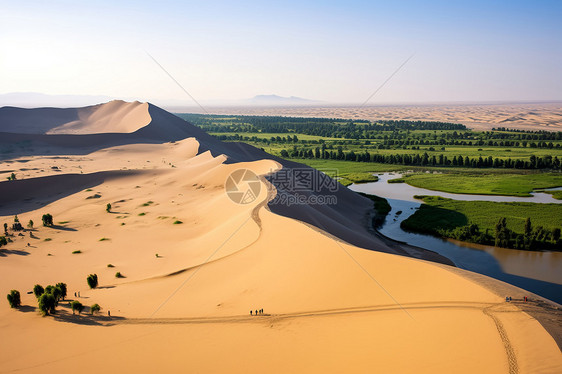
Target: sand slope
(329,306)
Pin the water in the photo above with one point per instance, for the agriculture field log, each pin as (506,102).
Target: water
(538,272)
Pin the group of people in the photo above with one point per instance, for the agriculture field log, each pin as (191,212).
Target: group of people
(508,299)
(256,312)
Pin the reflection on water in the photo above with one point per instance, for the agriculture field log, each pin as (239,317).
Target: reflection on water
(538,272)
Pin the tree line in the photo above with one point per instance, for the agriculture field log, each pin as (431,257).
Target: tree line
(534,162)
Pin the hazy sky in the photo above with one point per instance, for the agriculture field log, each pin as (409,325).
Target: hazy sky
(335,51)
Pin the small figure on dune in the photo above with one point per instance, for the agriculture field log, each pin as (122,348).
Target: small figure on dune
(256,312)
(74,294)
(108,313)
(251,312)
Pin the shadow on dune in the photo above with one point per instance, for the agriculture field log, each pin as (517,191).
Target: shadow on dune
(62,228)
(27,309)
(5,252)
(23,195)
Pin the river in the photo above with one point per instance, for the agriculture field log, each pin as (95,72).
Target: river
(538,272)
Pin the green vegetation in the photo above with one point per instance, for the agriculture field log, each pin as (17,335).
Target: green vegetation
(14,299)
(94,309)
(400,143)
(110,266)
(47,219)
(382,207)
(104,239)
(62,287)
(47,239)
(30,224)
(491,223)
(148,203)
(38,290)
(178,222)
(12,177)
(3,241)
(49,298)
(396,180)
(92,280)
(486,184)
(142,214)
(119,275)
(47,303)
(349,178)
(108,208)
(76,252)
(77,306)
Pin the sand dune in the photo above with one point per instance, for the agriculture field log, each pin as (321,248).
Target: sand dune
(329,306)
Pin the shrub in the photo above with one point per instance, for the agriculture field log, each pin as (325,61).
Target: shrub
(3,241)
(47,219)
(62,287)
(178,222)
(38,290)
(55,291)
(76,306)
(94,308)
(142,214)
(14,299)
(103,239)
(108,208)
(92,280)
(119,275)
(47,303)
(76,252)
(110,266)
(30,224)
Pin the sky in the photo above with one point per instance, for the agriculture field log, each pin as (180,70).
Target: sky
(331,51)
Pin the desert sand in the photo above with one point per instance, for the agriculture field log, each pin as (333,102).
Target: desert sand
(195,264)
(527,116)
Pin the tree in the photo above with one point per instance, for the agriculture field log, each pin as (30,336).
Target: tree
(62,287)
(3,241)
(556,234)
(38,290)
(47,219)
(92,280)
(528,227)
(30,224)
(47,303)
(12,177)
(14,299)
(94,308)
(77,306)
(108,208)
(5,227)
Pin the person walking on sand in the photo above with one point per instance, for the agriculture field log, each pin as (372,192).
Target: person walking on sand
(108,313)
(256,312)
(251,312)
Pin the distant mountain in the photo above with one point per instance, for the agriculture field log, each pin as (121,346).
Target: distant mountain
(279,100)
(36,100)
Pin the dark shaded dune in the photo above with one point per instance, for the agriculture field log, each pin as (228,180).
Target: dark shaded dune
(21,196)
(34,121)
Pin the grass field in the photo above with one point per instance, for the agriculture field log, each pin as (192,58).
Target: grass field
(443,217)
(487,183)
